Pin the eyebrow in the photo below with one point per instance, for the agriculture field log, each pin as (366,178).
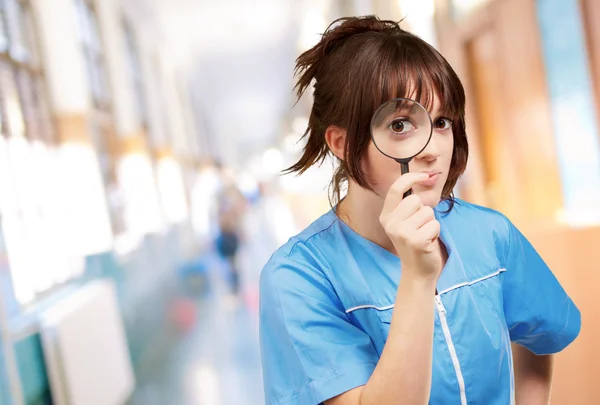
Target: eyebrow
(441,113)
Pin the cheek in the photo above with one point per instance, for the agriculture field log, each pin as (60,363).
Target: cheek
(450,146)
(381,170)
(448,150)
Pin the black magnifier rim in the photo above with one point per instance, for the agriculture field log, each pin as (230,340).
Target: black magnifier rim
(408,159)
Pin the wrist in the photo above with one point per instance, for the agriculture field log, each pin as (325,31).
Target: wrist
(421,283)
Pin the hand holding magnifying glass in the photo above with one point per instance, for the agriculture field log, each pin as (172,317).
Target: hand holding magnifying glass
(401,129)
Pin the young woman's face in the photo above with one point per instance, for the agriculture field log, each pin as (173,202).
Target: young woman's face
(435,160)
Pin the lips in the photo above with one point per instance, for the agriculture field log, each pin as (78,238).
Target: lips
(433,178)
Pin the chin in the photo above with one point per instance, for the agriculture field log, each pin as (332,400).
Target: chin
(430,197)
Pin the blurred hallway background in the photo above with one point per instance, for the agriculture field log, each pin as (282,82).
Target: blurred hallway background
(141,140)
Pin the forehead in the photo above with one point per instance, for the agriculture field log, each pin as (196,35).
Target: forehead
(415,84)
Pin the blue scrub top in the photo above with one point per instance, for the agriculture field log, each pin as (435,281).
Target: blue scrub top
(327,296)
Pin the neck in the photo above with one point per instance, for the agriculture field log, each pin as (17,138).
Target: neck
(360,210)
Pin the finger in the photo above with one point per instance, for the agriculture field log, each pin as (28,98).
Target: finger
(402,211)
(396,191)
(423,215)
(430,231)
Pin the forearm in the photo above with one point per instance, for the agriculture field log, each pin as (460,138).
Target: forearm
(403,374)
(533,377)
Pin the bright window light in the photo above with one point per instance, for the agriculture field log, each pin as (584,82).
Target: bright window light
(88,220)
(272,161)
(142,207)
(464,7)
(172,190)
(203,203)
(313,26)
(37,217)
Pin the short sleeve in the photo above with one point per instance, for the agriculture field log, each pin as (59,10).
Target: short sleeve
(539,313)
(310,350)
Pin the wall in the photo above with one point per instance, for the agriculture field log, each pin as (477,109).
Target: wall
(530,68)
(145,275)
(146,301)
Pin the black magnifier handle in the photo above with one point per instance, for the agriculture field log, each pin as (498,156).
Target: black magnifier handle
(404,167)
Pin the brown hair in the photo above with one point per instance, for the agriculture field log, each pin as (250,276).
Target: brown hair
(359,63)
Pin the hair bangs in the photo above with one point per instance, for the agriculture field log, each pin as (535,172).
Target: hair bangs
(418,73)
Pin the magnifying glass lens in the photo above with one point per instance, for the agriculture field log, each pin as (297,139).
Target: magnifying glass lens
(401,128)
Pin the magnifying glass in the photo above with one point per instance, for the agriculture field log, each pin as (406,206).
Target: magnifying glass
(401,129)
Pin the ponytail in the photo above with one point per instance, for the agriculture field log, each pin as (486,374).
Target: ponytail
(308,64)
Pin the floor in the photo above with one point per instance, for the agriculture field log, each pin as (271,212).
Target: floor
(218,361)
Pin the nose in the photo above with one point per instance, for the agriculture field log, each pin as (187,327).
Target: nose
(432,151)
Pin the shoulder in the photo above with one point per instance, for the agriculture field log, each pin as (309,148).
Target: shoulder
(472,217)
(477,228)
(467,210)
(300,262)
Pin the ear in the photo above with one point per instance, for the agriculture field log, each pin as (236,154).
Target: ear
(336,140)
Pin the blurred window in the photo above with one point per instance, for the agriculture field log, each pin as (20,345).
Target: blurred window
(30,174)
(24,99)
(463,8)
(3,30)
(135,73)
(93,53)
(574,117)
(101,125)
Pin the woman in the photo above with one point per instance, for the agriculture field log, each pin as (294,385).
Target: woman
(392,300)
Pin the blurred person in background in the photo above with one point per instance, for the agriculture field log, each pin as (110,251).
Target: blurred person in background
(267,224)
(394,299)
(231,208)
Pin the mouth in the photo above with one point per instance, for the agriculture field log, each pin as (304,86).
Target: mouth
(433,178)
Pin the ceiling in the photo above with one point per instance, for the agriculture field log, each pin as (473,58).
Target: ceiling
(239,57)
